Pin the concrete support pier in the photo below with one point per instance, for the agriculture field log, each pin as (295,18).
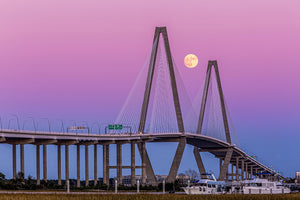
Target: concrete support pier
(232,177)
(22,158)
(143,155)
(78,165)
(237,169)
(176,161)
(220,166)
(59,164)
(38,172)
(132,163)
(119,163)
(146,165)
(106,164)
(14,161)
(95,164)
(243,170)
(199,162)
(247,173)
(67,163)
(224,168)
(45,162)
(86,165)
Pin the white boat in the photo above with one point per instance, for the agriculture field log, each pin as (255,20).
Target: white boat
(233,187)
(206,186)
(263,186)
(255,186)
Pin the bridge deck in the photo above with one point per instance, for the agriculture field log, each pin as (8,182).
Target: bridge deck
(205,143)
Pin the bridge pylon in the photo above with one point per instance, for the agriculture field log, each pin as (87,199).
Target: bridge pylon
(214,64)
(158,31)
(227,152)
(182,142)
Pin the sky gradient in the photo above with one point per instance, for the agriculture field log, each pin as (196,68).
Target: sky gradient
(77,60)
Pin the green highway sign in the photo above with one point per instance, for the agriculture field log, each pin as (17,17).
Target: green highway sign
(115,126)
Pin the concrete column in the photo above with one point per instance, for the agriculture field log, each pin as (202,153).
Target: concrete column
(247,174)
(14,161)
(119,163)
(143,145)
(59,164)
(86,165)
(38,172)
(95,164)
(106,164)
(149,170)
(251,172)
(227,177)
(243,170)
(132,164)
(67,162)
(256,171)
(22,158)
(45,162)
(237,169)
(232,172)
(78,165)
(220,165)
(104,149)
(200,165)
(176,161)
(224,169)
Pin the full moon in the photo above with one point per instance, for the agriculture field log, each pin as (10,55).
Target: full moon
(190,60)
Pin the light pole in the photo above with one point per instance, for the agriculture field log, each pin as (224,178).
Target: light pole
(74,124)
(87,125)
(1,123)
(62,125)
(105,123)
(24,124)
(17,119)
(34,126)
(95,123)
(33,122)
(49,126)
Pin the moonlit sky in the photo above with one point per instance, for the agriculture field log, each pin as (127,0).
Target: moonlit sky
(77,60)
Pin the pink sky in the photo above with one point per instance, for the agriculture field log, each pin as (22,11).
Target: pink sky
(67,58)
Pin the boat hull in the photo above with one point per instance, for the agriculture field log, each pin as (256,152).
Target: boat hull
(197,190)
(266,191)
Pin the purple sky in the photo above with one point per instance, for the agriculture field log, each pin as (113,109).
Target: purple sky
(65,59)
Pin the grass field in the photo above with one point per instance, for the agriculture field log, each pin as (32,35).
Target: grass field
(21,196)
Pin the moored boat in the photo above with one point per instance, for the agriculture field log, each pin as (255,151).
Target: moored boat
(263,186)
(206,186)
(255,186)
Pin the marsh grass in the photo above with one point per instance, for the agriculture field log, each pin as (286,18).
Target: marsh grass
(21,196)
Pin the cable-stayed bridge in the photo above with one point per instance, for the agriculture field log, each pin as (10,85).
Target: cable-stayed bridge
(157,109)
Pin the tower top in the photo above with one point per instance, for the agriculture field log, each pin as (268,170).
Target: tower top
(161,29)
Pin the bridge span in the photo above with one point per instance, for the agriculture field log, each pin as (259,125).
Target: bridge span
(243,166)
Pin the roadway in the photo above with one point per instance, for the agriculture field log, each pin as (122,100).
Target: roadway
(203,143)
